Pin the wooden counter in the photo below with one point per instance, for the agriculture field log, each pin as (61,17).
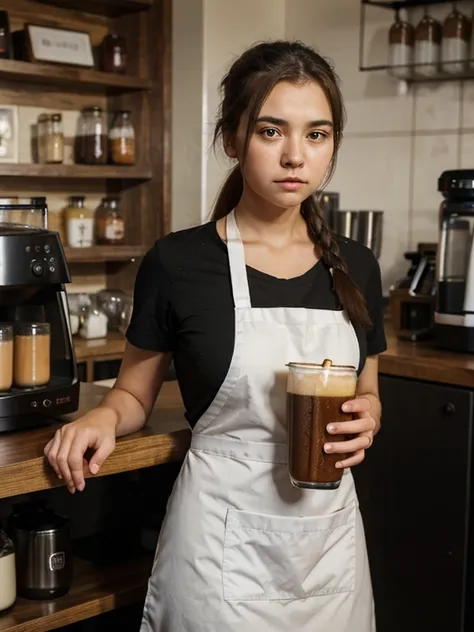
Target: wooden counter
(423,361)
(165,438)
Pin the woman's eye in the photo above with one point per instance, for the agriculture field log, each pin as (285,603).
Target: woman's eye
(316,135)
(270,132)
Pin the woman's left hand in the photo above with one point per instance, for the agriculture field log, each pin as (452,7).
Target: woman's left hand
(362,430)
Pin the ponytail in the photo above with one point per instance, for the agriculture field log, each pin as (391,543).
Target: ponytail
(347,292)
(229,195)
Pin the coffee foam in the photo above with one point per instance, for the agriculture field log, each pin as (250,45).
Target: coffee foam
(321,384)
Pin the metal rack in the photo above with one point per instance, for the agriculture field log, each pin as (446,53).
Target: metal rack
(395,5)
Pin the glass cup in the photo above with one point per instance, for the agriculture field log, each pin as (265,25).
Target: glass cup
(6,357)
(315,394)
(32,354)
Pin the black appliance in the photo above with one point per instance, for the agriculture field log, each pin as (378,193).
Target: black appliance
(454,316)
(33,271)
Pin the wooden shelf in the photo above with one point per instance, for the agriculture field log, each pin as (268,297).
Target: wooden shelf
(83,172)
(96,589)
(111,8)
(165,438)
(104,253)
(403,4)
(113,345)
(77,79)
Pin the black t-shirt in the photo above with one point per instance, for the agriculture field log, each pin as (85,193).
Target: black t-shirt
(183,303)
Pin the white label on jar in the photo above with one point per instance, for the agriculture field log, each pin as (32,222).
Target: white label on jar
(427,53)
(454,49)
(121,132)
(7,581)
(114,231)
(80,232)
(400,55)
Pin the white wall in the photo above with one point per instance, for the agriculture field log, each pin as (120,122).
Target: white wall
(395,146)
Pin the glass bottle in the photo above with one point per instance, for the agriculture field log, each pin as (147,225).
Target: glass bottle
(456,42)
(53,139)
(94,147)
(401,40)
(122,139)
(7,572)
(428,35)
(114,54)
(110,224)
(79,221)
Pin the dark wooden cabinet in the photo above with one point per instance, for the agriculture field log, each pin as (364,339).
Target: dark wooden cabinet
(416,499)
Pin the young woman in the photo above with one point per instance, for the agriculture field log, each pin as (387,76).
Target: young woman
(232,302)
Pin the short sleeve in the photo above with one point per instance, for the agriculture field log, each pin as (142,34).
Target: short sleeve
(376,341)
(151,325)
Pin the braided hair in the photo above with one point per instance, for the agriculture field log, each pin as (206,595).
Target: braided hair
(245,87)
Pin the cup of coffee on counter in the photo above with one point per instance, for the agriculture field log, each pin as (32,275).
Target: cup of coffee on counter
(32,354)
(6,357)
(315,395)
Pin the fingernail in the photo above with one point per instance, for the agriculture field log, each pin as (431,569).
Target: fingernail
(94,468)
(346,408)
(81,486)
(339,464)
(331,428)
(328,447)
(72,490)
(60,477)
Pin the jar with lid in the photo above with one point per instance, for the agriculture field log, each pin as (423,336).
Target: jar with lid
(7,572)
(110,224)
(40,131)
(94,321)
(114,54)
(456,42)
(53,139)
(79,221)
(94,143)
(428,35)
(122,139)
(401,41)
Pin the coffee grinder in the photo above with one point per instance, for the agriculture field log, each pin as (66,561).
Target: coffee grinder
(33,271)
(454,315)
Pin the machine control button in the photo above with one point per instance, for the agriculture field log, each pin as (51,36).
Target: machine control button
(37,268)
(52,260)
(47,248)
(28,248)
(46,403)
(37,248)
(52,269)
(34,404)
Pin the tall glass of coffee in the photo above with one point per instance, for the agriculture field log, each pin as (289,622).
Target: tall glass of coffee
(32,354)
(315,394)
(6,357)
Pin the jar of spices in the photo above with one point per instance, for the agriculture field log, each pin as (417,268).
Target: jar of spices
(122,139)
(94,144)
(53,139)
(456,42)
(428,35)
(110,224)
(114,54)
(401,40)
(79,220)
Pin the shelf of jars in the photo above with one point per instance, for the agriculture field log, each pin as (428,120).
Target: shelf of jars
(75,171)
(77,79)
(421,47)
(111,8)
(99,254)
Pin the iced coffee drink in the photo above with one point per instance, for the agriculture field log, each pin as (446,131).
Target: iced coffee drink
(6,357)
(32,354)
(315,394)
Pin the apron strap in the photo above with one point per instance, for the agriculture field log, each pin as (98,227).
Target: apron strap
(238,270)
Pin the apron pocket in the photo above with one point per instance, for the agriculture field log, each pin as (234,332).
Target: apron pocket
(273,557)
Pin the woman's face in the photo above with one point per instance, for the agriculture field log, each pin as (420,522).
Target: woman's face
(291,147)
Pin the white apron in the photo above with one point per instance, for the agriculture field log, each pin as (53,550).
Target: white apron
(241,549)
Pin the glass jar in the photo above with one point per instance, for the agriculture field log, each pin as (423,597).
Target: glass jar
(94,144)
(7,572)
(456,42)
(110,224)
(114,54)
(428,46)
(6,358)
(401,40)
(79,220)
(32,363)
(122,139)
(93,321)
(53,139)
(40,131)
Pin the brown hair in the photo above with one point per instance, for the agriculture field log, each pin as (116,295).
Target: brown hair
(245,88)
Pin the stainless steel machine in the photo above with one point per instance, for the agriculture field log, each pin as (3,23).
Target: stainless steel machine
(38,371)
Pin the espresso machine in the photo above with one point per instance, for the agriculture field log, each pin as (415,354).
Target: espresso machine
(36,349)
(454,315)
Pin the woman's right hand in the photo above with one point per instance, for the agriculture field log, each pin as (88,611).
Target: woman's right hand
(65,452)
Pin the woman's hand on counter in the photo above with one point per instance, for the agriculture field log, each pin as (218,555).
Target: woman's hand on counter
(65,452)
